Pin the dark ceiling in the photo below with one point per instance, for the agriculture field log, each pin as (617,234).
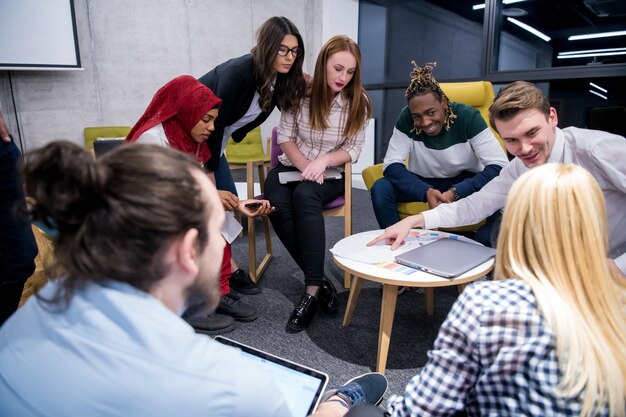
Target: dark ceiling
(558,19)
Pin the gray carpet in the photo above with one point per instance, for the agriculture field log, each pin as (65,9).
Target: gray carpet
(326,345)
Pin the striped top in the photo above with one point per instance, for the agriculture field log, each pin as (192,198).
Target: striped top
(314,143)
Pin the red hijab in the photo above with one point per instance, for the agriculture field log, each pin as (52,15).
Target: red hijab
(179,105)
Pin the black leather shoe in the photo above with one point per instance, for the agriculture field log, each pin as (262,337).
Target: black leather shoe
(302,315)
(327,297)
(240,281)
(213,324)
(232,306)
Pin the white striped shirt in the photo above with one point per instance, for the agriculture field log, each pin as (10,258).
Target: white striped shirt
(314,143)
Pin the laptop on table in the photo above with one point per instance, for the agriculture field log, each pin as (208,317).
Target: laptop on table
(302,386)
(446,257)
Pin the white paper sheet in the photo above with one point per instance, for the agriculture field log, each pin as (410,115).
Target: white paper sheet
(355,247)
(231,227)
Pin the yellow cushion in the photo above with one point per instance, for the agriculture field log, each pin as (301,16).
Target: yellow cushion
(249,149)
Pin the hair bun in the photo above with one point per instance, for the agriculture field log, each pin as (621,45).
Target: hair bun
(65,182)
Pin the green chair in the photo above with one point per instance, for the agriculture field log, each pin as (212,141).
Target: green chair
(249,154)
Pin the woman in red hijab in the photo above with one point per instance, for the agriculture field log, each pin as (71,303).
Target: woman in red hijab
(182,115)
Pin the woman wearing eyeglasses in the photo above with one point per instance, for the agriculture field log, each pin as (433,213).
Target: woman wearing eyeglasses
(250,86)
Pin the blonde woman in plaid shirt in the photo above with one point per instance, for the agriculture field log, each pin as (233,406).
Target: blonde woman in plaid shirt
(327,130)
(547,337)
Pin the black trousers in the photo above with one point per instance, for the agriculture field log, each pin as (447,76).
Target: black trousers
(298,220)
(18,248)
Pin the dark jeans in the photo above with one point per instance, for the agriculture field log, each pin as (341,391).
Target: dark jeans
(18,248)
(298,219)
(224,178)
(385,196)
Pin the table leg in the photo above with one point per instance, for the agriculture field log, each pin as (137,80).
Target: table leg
(429,294)
(387,311)
(355,291)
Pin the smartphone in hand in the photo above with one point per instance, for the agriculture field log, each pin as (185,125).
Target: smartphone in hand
(253,206)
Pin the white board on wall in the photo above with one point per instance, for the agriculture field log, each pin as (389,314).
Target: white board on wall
(38,35)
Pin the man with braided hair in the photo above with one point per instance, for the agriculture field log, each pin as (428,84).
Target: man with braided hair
(452,152)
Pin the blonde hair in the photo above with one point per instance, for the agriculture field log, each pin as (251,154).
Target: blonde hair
(554,238)
(360,107)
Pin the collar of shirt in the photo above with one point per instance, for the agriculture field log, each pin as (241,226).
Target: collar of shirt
(339,101)
(558,149)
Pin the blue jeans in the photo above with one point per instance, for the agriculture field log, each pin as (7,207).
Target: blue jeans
(18,248)
(224,178)
(385,197)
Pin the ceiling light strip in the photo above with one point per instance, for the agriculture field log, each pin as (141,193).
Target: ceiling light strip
(590,51)
(590,55)
(604,90)
(598,94)
(482,6)
(529,29)
(597,35)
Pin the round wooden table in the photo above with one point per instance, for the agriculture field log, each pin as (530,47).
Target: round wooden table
(393,276)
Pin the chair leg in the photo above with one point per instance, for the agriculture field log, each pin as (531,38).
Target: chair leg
(257,271)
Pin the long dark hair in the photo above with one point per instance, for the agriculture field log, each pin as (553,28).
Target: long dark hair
(115,216)
(360,106)
(289,88)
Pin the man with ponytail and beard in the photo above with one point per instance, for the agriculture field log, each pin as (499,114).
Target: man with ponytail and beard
(139,243)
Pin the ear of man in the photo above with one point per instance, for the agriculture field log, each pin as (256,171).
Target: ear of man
(187,253)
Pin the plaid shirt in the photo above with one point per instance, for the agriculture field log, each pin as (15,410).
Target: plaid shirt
(314,143)
(494,356)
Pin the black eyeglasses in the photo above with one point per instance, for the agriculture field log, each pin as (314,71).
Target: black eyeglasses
(295,52)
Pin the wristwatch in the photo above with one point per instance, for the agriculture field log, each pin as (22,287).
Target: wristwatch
(455,193)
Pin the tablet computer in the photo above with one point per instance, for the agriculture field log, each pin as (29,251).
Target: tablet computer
(302,386)
(294,176)
(446,257)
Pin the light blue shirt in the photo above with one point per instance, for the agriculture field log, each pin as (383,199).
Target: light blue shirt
(118,351)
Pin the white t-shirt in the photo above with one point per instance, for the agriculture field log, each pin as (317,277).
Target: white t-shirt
(252,113)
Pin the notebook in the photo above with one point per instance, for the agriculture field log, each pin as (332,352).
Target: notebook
(294,176)
(446,257)
(302,386)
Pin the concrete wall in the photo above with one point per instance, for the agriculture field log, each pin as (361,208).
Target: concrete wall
(129,49)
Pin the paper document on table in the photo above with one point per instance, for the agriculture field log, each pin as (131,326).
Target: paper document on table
(356,248)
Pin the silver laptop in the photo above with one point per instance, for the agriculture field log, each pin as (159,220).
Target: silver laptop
(446,257)
(302,386)
(294,176)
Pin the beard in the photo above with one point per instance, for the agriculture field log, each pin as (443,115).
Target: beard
(202,296)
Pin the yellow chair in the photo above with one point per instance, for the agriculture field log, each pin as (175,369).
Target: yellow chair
(249,154)
(43,263)
(92,133)
(478,94)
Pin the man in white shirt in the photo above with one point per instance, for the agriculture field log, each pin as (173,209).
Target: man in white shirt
(528,126)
